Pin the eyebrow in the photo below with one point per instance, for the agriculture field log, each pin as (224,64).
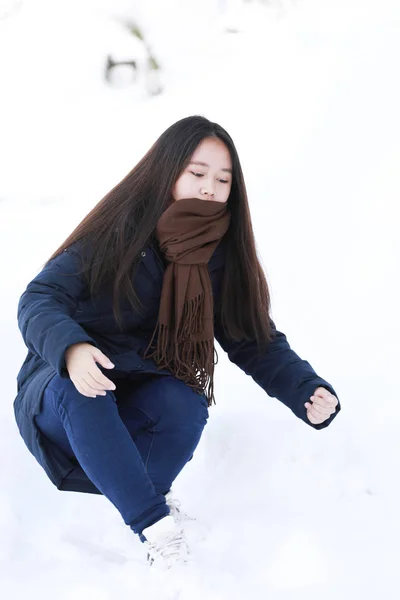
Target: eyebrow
(203,164)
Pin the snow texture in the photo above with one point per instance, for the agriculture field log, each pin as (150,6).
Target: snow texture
(309,91)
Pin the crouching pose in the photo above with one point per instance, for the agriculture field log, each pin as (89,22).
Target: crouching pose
(120,324)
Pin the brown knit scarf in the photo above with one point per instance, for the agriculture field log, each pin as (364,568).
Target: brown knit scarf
(188,233)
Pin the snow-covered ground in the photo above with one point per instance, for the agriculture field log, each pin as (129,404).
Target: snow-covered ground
(309,90)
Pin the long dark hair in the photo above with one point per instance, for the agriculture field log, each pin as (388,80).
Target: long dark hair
(114,233)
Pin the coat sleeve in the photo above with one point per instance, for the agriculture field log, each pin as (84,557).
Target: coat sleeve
(47,307)
(280,372)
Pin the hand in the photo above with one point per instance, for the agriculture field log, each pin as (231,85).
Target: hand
(80,360)
(322,406)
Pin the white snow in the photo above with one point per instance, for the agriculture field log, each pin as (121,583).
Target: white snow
(310,93)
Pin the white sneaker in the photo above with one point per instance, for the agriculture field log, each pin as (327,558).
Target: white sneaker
(195,532)
(166,543)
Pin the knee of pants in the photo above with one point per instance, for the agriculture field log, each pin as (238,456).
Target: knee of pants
(66,395)
(168,401)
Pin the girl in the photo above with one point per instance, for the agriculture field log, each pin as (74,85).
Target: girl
(114,393)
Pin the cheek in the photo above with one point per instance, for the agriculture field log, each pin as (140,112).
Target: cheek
(227,191)
(184,183)
(177,189)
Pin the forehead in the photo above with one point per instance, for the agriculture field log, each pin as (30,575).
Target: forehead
(213,150)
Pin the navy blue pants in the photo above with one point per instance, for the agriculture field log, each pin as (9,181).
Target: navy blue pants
(131,443)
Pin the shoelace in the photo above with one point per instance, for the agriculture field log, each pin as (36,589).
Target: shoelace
(175,509)
(170,549)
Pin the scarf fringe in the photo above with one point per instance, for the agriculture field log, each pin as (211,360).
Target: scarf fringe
(192,318)
(189,359)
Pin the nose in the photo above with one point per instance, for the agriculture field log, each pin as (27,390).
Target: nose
(207,192)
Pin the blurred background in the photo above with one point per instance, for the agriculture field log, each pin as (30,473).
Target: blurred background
(309,91)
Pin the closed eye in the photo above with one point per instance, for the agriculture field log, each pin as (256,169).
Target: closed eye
(202,175)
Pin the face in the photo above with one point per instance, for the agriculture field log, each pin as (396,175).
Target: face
(208,176)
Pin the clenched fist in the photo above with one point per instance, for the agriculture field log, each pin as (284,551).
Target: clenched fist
(323,404)
(80,360)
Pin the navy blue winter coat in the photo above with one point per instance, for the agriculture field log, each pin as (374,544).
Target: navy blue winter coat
(56,311)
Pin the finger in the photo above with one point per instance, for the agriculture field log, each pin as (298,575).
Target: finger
(82,390)
(102,359)
(323,393)
(90,389)
(322,404)
(324,401)
(322,411)
(314,420)
(95,384)
(101,379)
(314,417)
